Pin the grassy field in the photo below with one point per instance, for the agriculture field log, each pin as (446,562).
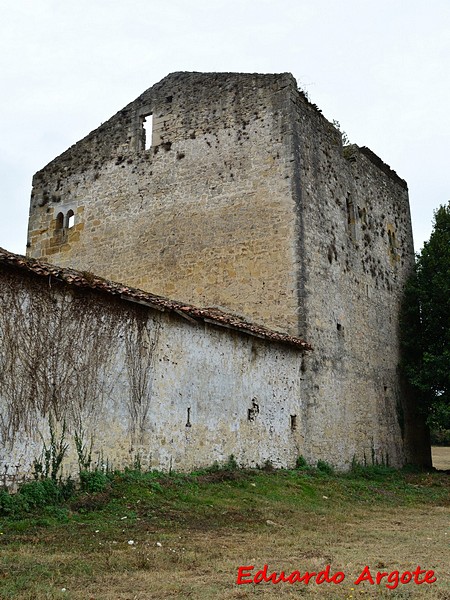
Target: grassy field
(152,536)
(441,457)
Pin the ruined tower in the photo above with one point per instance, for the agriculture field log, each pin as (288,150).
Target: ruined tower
(233,191)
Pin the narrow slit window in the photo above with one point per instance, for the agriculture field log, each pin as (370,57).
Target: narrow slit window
(253,411)
(147,125)
(293,422)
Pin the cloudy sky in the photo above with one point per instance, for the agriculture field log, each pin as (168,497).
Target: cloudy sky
(379,67)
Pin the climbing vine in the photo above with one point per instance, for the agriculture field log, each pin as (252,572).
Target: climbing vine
(58,365)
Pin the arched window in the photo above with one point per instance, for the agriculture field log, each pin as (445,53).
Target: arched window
(59,221)
(70,219)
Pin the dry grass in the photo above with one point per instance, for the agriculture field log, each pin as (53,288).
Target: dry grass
(441,457)
(190,540)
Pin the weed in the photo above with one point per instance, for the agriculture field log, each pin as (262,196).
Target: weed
(12,505)
(371,472)
(84,452)
(324,467)
(301,463)
(345,138)
(52,456)
(137,463)
(231,464)
(93,481)
(31,496)
(40,493)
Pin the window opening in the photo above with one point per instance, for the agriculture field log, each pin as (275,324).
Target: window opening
(147,125)
(70,219)
(188,422)
(293,422)
(253,411)
(59,220)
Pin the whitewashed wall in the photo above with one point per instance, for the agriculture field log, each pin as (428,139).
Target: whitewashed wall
(124,378)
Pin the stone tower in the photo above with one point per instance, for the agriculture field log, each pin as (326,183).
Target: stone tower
(233,191)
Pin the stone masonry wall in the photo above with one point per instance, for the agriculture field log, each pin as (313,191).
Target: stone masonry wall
(357,250)
(137,384)
(247,200)
(204,216)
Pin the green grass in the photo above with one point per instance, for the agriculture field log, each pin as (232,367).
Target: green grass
(54,538)
(133,493)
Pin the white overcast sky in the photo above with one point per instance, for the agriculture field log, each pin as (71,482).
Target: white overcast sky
(379,67)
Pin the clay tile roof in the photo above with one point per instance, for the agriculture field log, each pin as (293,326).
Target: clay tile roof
(192,313)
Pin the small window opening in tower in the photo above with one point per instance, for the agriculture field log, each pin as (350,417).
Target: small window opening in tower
(59,221)
(293,422)
(253,411)
(70,219)
(147,125)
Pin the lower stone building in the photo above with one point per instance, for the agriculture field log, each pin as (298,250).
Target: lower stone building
(134,377)
(137,378)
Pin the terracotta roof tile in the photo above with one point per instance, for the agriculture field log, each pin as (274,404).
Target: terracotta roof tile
(192,313)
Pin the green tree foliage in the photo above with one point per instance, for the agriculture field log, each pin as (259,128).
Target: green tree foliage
(426,324)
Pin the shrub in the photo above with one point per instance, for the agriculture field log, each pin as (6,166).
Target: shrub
(440,437)
(12,505)
(93,481)
(40,493)
(32,495)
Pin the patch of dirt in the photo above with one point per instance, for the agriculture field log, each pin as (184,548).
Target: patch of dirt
(91,502)
(219,476)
